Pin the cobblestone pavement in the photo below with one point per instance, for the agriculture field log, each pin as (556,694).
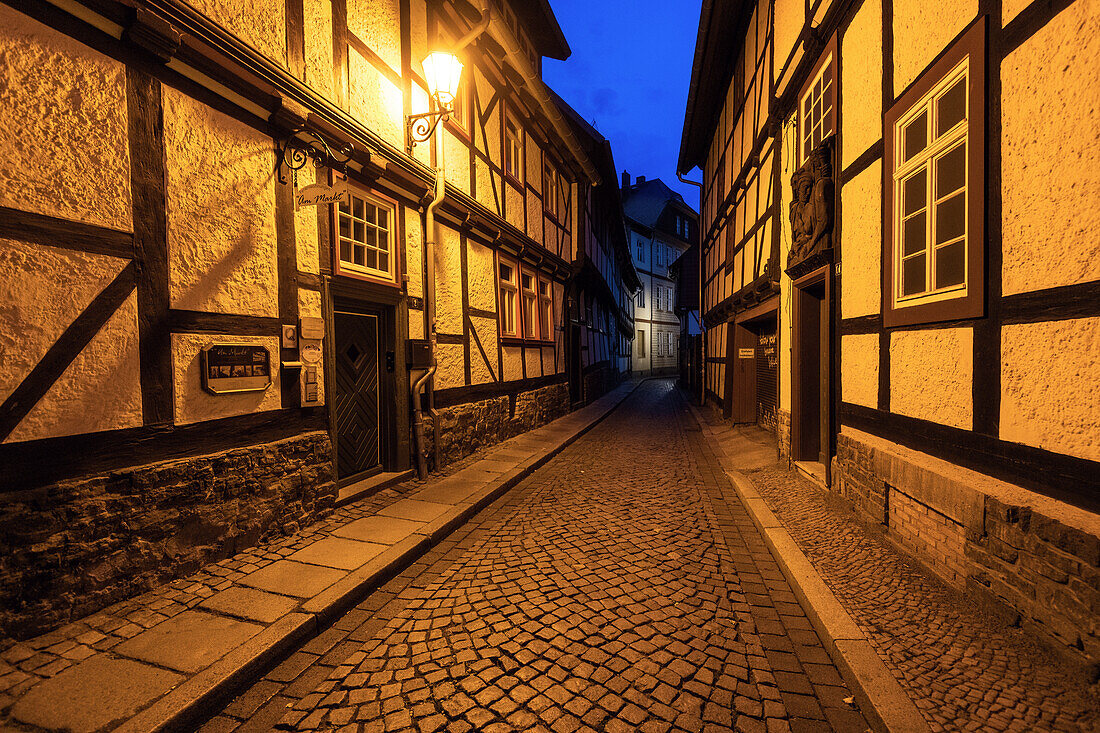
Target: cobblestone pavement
(611,590)
(25,663)
(962,668)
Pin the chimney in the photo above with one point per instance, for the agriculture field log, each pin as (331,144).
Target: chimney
(626,180)
(641,180)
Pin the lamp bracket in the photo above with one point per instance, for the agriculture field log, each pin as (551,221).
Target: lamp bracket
(421,127)
(303,145)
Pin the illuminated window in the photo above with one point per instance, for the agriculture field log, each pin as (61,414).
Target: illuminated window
(816,116)
(366,236)
(507,286)
(546,310)
(513,149)
(935,206)
(530,305)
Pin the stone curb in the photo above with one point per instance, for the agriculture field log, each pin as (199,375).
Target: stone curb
(881,699)
(180,708)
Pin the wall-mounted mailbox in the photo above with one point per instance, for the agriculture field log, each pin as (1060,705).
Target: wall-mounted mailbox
(418,355)
(232,368)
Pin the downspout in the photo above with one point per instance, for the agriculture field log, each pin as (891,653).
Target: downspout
(702,328)
(419,426)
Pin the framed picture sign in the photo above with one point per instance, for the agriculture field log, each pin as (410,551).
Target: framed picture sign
(233,368)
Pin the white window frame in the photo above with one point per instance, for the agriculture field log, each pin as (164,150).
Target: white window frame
(546,309)
(813,129)
(935,149)
(508,293)
(346,214)
(529,297)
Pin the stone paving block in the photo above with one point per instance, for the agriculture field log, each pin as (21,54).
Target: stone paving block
(93,694)
(292,578)
(338,552)
(419,511)
(378,529)
(451,491)
(250,603)
(189,642)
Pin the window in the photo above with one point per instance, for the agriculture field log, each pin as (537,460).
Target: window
(530,305)
(366,236)
(659,254)
(641,251)
(551,198)
(641,344)
(816,116)
(546,310)
(513,149)
(641,297)
(507,305)
(934,201)
(461,101)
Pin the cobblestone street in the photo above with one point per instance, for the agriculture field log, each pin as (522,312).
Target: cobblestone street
(611,590)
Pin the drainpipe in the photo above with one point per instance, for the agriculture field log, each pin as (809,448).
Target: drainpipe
(420,429)
(419,426)
(702,328)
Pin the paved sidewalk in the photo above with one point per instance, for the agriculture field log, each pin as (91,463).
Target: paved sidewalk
(156,661)
(615,589)
(962,668)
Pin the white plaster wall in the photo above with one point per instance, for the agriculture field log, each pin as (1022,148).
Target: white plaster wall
(99,390)
(414,252)
(513,363)
(859,369)
(548,365)
(486,329)
(378,24)
(861,51)
(480,276)
(1049,377)
(534,363)
(261,25)
(514,206)
(375,101)
(457,156)
(42,291)
(861,243)
(789,17)
(63,112)
(931,375)
(1050,132)
(1011,8)
(448,282)
(221,211)
(319,47)
(193,403)
(452,366)
(487,196)
(922,30)
(306,236)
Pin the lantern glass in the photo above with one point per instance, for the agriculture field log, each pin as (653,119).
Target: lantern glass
(443,72)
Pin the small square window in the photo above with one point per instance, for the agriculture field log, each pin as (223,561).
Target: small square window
(365,236)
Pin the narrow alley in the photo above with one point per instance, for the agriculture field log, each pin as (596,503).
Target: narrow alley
(612,590)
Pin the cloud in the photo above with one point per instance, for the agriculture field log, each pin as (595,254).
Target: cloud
(604,101)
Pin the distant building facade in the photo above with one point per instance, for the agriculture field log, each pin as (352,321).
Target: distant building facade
(661,228)
(195,356)
(901,278)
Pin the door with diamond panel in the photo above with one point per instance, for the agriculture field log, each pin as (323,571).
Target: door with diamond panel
(356,401)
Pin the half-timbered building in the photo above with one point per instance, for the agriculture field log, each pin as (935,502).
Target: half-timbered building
(900,273)
(223,303)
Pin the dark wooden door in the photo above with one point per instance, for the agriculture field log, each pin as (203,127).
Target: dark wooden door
(356,400)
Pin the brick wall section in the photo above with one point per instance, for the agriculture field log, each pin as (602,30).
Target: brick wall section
(466,428)
(74,547)
(1039,569)
(934,537)
(1047,571)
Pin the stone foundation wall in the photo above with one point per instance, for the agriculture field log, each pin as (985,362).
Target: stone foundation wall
(999,542)
(599,382)
(74,547)
(783,434)
(466,428)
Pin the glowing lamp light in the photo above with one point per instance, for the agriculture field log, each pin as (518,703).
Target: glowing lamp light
(443,71)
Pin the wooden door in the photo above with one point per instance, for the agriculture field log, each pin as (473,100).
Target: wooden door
(356,403)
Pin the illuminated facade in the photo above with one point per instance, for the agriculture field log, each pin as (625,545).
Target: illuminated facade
(203,347)
(900,273)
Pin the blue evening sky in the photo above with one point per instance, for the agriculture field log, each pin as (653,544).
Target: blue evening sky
(629,76)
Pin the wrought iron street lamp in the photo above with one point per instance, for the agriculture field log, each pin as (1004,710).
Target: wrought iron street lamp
(443,71)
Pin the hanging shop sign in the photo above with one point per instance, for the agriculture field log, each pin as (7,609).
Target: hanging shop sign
(233,368)
(318,194)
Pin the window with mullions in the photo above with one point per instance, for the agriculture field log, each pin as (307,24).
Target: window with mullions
(366,236)
(551,199)
(546,310)
(816,116)
(513,149)
(530,305)
(930,187)
(935,207)
(507,282)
